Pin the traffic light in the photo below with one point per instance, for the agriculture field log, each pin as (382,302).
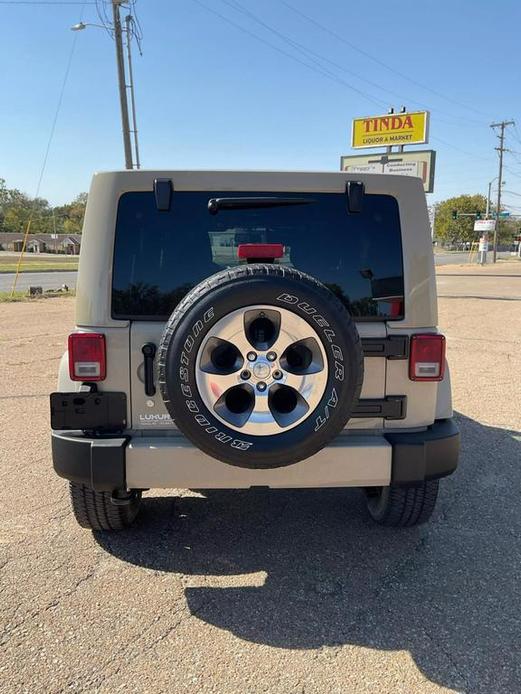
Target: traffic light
(478,215)
(454,214)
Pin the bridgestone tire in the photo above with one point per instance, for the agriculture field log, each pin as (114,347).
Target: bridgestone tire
(95,510)
(265,285)
(402,507)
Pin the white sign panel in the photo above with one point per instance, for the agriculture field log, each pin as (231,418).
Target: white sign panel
(432,217)
(484,225)
(419,163)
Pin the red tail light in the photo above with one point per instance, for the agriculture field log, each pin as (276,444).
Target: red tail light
(427,358)
(87,360)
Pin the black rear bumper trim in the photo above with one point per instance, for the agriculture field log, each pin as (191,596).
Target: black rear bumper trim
(424,455)
(98,463)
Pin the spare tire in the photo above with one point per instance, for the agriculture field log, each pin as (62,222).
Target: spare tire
(260,366)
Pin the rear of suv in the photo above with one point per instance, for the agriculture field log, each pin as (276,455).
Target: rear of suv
(254,329)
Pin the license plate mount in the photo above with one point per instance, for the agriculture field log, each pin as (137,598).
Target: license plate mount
(98,411)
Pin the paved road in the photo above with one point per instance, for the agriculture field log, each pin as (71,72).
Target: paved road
(53,280)
(461,257)
(46,280)
(287,592)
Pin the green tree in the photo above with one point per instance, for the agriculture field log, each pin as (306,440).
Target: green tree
(450,230)
(69,218)
(16,208)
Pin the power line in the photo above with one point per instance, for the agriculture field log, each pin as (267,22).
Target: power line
(47,150)
(377,60)
(308,51)
(316,67)
(511,171)
(320,70)
(299,46)
(45,2)
(103,17)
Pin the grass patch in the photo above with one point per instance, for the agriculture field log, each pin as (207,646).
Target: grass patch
(38,266)
(5,297)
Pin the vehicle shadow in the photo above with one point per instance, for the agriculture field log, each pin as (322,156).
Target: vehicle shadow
(322,574)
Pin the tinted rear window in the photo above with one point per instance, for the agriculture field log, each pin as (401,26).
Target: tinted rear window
(160,256)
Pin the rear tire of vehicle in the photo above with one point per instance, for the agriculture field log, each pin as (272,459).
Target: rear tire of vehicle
(402,507)
(95,510)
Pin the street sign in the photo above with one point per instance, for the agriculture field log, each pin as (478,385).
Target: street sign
(484,225)
(391,129)
(420,163)
(483,244)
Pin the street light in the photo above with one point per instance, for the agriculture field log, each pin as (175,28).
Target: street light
(122,82)
(82,25)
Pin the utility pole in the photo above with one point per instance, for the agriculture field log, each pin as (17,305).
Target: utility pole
(500,149)
(128,23)
(122,83)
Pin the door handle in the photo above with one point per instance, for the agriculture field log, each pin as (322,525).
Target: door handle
(149,352)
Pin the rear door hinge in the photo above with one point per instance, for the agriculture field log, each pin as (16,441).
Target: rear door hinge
(391,347)
(390,407)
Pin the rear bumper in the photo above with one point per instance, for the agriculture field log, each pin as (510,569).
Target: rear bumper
(425,455)
(106,464)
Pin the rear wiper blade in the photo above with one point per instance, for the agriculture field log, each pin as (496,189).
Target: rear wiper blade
(216,204)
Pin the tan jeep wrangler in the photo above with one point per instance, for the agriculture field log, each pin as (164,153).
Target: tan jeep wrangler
(254,329)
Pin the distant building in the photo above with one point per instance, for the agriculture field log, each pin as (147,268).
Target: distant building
(41,243)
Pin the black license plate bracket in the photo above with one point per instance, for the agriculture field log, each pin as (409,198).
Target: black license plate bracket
(99,411)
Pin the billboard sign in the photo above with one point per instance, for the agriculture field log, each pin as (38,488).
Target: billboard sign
(420,163)
(484,225)
(391,129)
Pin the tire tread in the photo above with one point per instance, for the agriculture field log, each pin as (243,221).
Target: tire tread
(95,511)
(406,507)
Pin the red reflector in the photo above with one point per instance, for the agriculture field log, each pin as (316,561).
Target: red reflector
(427,358)
(87,357)
(261,251)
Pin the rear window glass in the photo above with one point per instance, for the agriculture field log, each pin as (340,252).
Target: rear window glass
(160,256)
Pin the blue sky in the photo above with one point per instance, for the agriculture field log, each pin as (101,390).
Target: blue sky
(212,95)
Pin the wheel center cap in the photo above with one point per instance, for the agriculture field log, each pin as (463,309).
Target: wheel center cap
(261,370)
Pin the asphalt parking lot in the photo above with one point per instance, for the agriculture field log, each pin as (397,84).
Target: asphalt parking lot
(269,591)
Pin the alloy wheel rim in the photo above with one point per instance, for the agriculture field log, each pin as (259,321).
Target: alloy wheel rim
(261,370)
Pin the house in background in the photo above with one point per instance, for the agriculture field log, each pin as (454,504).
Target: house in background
(41,243)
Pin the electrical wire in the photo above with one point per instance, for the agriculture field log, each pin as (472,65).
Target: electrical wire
(307,52)
(47,150)
(235,5)
(45,2)
(511,171)
(320,70)
(378,61)
(103,17)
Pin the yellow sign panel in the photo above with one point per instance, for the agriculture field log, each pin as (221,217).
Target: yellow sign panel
(392,129)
